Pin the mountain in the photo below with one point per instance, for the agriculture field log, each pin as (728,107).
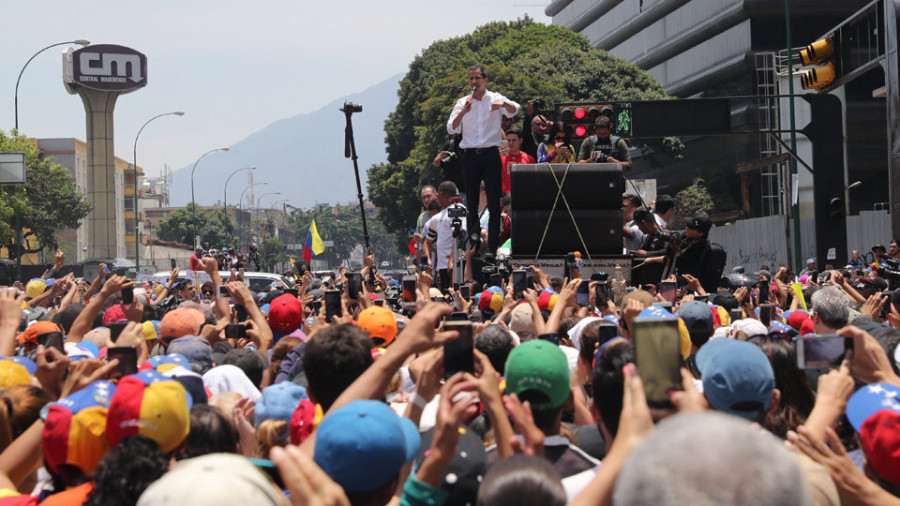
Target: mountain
(302,156)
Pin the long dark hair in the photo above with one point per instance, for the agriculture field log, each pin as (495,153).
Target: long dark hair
(797,398)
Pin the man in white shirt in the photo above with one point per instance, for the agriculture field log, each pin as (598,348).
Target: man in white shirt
(631,235)
(477,117)
(439,235)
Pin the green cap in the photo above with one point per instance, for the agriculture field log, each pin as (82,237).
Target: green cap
(539,365)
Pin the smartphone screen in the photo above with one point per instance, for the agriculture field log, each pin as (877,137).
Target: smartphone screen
(658,358)
(222,292)
(409,292)
(332,304)
(765,314)
(458,353)
(821,352)
(465,291)
(602,294)
(52,340)
(763,296)
(551,337)
(354,285)
(736,314)
(127,356)
(459,316)
(171,263)
(235,331)
(496,280)
(128,295)
(583,295)
(667,290)
(116,328)
(886,308)
(519,283)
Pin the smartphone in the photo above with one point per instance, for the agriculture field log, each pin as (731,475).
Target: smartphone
(583,295)
(241,313)
(736,314)
(680,281)
(52,340)
(292,291)
(116,328)
(409,292)
(667,290)
(465,291)
(813,277)
(128,295)
(658,358)
(440,299)
(763,296)
(172,263)
(496,280)
(765,314)
(552,337)
(459,355)
(886,308)
(602,294)
(235,331)
(519,283)
(606,331)
(222,292)
(379,299)
(821,352)
(332,304)
(702,298)
(354,285)
(127,356)
(458,316)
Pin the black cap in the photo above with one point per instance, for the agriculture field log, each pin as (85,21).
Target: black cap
(879,246)
(700,222)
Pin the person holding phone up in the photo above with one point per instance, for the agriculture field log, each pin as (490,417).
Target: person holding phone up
(557,149)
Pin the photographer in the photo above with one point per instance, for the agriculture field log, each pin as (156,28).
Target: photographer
(603,147)
(656,245)
(439,241)
(449,161)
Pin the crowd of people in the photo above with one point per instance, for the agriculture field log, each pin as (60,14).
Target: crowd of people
(530,389)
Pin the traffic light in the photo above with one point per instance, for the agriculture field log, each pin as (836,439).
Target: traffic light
(836,211)
(580,117)
(820,76)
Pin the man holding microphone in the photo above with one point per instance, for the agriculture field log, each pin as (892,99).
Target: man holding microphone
(477,116)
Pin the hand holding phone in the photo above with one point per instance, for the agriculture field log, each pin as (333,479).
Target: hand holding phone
(52,340)
(459,354)
(333,304)
(127,356)
(658,358)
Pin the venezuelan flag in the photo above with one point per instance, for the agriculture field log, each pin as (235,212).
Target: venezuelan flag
(313,245)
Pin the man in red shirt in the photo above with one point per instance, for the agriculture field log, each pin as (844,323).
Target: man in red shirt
(516,155)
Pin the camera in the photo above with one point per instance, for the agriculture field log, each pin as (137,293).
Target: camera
(891,272)
(537,103)
(350,108)
(457,211)
(601,157)
(451,156)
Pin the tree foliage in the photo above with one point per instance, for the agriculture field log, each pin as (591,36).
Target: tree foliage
(691,201)
(212,226)
(525,60)
(48,202)
(343,225)
(272,252)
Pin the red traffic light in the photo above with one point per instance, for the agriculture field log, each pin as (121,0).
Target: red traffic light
(580,130)
(579,113)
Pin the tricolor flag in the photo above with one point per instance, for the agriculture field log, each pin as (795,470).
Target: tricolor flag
(313,245)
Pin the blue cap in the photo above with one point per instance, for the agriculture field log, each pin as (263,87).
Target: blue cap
(656,312)
(871,399)
(173,358)
(25,362)
(278,402)
(363,445)
(737,377)
(780,327)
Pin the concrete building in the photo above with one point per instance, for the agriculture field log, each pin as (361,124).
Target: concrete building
(72,154)
(709,48)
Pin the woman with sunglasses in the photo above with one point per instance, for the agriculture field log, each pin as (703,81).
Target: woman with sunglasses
(557,149)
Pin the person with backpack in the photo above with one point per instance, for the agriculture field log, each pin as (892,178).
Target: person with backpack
(603,147)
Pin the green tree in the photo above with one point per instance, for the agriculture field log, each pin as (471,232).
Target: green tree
(212,226)
(525,60)
(272,252)
(48,202)
(342,224)
(691,201)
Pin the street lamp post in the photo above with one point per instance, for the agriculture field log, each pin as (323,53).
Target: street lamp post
(137,244)
(80,42)
(193,202)
(241,207)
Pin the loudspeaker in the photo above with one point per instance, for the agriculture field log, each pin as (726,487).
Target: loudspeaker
(601,230)
(587,185)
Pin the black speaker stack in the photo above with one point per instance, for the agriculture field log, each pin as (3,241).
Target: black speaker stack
(594,194)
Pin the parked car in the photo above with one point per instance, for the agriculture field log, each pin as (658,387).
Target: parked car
(258,281)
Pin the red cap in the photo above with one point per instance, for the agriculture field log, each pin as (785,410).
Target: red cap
(880,438)
(285,314)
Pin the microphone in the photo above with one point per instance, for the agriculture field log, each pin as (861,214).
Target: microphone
(473,90)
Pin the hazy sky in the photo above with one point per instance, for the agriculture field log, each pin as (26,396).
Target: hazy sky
(231,66)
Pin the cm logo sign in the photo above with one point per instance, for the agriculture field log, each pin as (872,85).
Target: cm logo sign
(105,67)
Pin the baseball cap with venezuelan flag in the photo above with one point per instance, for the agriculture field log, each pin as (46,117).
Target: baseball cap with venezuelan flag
(149,404)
